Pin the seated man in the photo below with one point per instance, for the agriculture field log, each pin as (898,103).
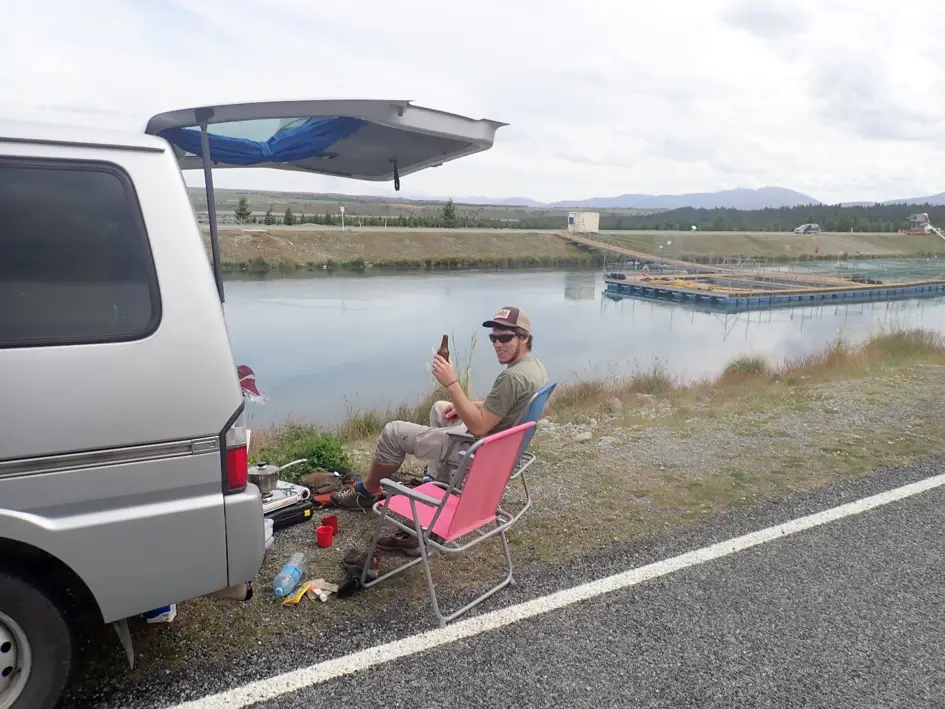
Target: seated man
(503,408)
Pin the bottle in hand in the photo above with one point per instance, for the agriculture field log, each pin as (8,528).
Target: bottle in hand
(444,350)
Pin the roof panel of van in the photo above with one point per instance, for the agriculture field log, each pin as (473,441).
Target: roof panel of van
(41,132)
(360,139)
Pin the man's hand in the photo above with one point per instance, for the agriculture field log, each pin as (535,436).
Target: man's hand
(443,371)
(476,417)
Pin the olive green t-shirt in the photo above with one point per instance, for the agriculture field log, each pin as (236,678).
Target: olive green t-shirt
(513,388)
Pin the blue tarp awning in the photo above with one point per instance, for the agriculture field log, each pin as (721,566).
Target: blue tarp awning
(309,140)
(361,139)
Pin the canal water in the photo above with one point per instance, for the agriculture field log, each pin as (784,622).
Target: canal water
(324,346)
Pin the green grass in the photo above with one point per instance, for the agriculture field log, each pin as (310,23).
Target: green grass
(293,441)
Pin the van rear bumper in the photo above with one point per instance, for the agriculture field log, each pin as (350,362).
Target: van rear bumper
(245,534)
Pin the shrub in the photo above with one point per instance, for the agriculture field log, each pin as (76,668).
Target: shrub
(746,366)
(323,451)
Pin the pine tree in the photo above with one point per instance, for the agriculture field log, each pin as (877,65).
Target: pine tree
(242,211)
(449,214)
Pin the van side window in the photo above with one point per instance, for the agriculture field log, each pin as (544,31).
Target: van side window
(75,261)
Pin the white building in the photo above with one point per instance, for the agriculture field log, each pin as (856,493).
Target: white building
(583,222)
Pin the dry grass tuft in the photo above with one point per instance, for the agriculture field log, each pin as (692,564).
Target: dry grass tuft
(840,359)
(746,376)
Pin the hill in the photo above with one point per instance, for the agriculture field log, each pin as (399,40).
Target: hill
(935,199)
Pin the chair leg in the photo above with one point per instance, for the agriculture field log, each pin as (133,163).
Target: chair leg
(393,572)
(444,619)
(528,499)
(509,578)
(370,554)
(425,558)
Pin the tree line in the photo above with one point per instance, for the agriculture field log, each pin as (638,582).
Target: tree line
(875,218)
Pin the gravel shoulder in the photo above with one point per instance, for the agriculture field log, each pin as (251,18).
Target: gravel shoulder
(610,489)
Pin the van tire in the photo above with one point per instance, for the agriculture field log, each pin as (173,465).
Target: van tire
(49,637)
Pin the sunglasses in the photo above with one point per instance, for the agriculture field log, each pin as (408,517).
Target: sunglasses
(504,338)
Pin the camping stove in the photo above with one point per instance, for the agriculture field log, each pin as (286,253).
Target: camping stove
(285,495)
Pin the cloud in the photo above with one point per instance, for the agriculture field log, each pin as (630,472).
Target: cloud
(772,19)
(835,98)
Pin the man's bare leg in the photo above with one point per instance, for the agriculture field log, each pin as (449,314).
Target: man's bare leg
(379,471)
(364,493)
(397,440)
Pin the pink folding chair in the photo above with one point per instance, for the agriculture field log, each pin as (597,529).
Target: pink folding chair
(440,515)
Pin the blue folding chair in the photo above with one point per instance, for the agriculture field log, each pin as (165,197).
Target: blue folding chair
(536,406)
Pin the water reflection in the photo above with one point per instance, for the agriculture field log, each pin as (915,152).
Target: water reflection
(580,285)
(324,345)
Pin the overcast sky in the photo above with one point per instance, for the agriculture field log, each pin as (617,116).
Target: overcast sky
(840,99)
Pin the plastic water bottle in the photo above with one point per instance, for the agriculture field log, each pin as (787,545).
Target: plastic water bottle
(290,575)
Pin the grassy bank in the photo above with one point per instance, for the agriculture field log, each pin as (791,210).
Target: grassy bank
(261,249)
(619,462)
(778,246)
(285,249)
(747,377)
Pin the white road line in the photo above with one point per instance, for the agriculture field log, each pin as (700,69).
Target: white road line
(267,689)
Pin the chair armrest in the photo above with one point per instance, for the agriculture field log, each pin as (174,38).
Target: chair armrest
(391,487)
(461,436)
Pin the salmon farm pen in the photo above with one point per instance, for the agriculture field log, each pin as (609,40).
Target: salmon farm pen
(760,290)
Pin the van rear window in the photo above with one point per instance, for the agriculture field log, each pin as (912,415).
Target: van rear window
(75,262)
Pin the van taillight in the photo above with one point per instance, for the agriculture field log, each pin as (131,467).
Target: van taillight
(236,458)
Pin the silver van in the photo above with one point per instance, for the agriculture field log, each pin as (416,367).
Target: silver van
(123,456)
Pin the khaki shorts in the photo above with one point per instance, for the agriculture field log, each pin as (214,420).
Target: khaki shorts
(430,444)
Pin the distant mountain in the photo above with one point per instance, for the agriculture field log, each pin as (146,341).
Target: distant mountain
(505,201)
(730,199)
(493,201)
(744,199)
(935,199)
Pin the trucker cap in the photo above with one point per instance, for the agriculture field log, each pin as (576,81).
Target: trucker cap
(510,317)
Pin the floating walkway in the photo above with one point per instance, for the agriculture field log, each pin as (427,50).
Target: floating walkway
(728,292)
(747,286)
(639,255)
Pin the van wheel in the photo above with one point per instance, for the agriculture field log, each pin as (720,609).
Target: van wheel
(35,647)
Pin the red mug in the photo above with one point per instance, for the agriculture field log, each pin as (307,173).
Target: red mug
(331,521)
(323,535)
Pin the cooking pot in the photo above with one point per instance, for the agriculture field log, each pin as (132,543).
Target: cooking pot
(266,477)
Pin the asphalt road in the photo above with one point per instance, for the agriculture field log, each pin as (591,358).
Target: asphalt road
(845,614)
(848,614)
